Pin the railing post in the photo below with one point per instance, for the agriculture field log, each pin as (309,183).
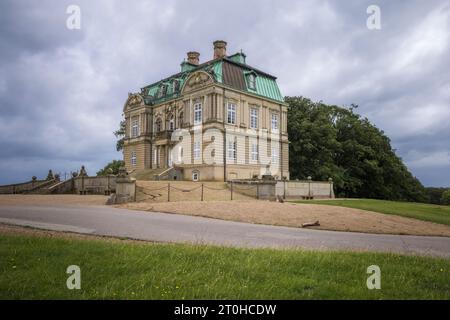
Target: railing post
(257,190)
(168,192)
(202,191)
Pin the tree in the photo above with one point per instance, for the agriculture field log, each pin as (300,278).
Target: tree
(435,194)
(120,135)
(331,141)
(446,197)
(111,168)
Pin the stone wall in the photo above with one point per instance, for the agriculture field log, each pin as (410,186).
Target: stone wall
(94,185)
(259,189)
(305,188)
(20,187)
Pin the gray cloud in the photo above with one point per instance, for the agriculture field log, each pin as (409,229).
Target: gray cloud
(62,91)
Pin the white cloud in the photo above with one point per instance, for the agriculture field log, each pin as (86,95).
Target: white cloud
(62,92)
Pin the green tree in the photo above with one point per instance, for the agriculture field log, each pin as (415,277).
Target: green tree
(111,168)
(120,135)
(446,197)
(435,194)
(331,141)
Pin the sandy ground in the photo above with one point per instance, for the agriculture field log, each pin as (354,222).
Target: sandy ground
(294,215)
(254,211)
(51,200)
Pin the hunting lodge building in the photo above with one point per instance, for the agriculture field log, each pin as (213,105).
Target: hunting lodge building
(213,121)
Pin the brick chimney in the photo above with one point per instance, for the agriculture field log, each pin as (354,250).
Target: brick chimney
(193,57)
(220,49)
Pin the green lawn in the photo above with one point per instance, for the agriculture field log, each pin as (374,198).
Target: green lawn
(34,268)
(421,211)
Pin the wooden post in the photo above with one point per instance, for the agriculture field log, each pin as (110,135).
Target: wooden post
(168,192)
(257,190)
(202,191)
(231,189)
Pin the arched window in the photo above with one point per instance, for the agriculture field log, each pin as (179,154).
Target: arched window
(158,125)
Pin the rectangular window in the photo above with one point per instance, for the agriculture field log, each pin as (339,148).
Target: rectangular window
(135,128)
(254,118)
(252,81)
(197,113)
(274,122)
(231,114)
(274,155)
(232,150)
(197,150)
(254,151)
(133,158)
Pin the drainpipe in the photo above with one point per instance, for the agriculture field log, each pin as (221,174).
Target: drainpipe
(224,138)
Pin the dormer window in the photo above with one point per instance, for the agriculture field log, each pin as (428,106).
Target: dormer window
(252,81)
(162,90)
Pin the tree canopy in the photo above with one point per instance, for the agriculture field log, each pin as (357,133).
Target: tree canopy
(445,199)
(331,141)
(111,168)
(120,135)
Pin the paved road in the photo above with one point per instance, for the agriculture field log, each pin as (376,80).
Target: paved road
(102,220)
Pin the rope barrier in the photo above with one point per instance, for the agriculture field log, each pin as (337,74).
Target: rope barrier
(165,187)
(217,189)
(185,190)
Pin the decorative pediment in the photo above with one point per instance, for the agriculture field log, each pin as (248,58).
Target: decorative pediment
(134,100)
(196,80)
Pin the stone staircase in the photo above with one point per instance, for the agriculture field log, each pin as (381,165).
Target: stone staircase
(157,174)
(43,188)
(147,174)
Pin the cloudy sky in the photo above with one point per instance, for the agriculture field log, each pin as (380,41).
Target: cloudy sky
(62,91)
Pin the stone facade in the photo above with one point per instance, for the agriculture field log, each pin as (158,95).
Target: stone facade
(209,126)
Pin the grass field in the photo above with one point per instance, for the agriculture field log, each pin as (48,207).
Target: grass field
(420,211)
(34,267)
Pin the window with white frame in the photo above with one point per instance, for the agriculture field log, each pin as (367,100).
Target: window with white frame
(133,158)
(135,127)
(197,150)
(254,118)
(274,155)
(252,81)
(195,175)
(231,113)
(254,151)
(232,150)
(197,113)
(274,122)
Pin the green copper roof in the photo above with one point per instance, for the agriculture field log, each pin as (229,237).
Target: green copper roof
(234,75)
